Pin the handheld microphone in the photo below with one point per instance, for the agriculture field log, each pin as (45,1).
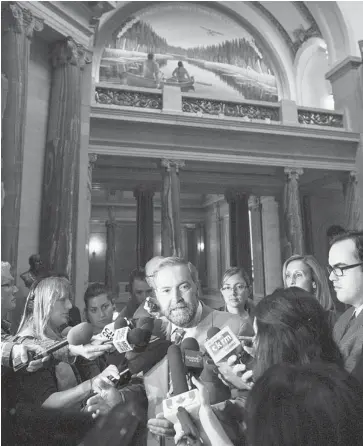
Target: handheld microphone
(218,391)
(221,345)
(183,397)
(192,356)
(79,335)
(126,340)
(108,332)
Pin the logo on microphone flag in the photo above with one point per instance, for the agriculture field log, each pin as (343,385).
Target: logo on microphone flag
(120,340)
(221,344)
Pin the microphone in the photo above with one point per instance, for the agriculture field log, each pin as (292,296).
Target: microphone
(126,340)
(218,391)
(221,343)
(151,355)
(192,356)
(79,335)
(108,331)
(183,397)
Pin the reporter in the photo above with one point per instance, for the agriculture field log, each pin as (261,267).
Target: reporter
(58,385)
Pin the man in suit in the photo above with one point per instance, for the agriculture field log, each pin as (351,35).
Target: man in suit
(346,273)
(175,283)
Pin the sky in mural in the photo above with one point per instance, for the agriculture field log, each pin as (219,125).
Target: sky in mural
(219,58)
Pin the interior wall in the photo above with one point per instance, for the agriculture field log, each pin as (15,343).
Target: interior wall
(34,149)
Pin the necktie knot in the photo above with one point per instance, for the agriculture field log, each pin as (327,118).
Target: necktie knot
(179,334)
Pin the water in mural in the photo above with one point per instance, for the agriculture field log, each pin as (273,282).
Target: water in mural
(193,46)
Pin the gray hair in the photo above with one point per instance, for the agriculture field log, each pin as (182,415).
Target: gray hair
(176,261)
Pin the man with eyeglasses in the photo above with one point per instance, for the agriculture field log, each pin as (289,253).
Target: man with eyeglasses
(346,272)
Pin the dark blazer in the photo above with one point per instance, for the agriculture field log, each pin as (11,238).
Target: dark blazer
(349,341)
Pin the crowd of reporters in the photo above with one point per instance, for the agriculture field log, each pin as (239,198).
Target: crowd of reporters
(295,377)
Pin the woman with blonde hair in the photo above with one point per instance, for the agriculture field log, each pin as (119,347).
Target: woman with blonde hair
(58,385)
(304,271)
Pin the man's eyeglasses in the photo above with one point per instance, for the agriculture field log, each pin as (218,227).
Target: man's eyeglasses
(339,270)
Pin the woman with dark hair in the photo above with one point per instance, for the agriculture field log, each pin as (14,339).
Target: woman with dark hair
(99,307)
(290,327)
(181,73)
(305,405)
(236,289)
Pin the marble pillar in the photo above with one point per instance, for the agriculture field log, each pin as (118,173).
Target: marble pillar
(18,25)
(255,207)
(92,158)
(240,241)
(110,270)
(352,210)
(61,172)
(271,243)
(292,211)
(144,225)
(170,208)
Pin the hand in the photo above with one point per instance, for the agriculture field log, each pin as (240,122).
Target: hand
(234,374)
(203,392)
(19,354)
(161,426)
(111,370)
(89,351)
(97,405)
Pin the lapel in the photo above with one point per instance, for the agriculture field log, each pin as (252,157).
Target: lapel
(352,330)
(342,323)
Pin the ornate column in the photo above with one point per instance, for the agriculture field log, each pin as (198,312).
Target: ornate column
(170,208)
(292,211)
(18,25)
(255,207)
(92,158)
(144,225)
(110,271)
(239,233)
(62,155)
(271,243)
(352,211)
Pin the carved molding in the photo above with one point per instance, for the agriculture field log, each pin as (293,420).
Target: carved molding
(311,117)
(20,20)
(69,52)
(230,109)
(127,98)
(293,173)
(168,163)
(254,203)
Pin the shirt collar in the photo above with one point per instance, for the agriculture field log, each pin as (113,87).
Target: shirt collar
(358,310)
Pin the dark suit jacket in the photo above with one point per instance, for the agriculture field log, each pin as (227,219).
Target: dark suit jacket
(350,342)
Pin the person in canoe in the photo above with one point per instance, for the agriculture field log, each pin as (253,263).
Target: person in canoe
(180,73)
(151,68)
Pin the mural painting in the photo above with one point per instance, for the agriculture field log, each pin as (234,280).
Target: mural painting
(192,46)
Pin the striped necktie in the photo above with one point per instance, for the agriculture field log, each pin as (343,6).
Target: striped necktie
(178,336)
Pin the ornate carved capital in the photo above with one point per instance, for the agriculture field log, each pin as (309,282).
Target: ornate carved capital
(143,191)
(293,173)
(254,203)
(20,20)
(92,158)
(168,163)
(353,176)
(232,195)
(69,52)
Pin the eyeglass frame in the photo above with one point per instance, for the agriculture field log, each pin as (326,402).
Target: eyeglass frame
(245,287)
(333,269)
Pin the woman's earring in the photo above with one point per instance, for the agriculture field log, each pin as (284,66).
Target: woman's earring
(314,286)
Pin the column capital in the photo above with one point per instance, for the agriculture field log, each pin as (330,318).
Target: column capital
(20,20)
(143,191)
(232,195)
(293,173)
(168,163)
(92,158)
(353,176)
(254,203)
(69,52)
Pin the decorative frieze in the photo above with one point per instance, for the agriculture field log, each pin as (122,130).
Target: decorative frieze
(311,117)
(128,98)
(230,109)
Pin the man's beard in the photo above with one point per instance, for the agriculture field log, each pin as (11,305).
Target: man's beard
(182,314)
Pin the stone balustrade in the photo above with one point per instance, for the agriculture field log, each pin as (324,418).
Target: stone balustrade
(283,112)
